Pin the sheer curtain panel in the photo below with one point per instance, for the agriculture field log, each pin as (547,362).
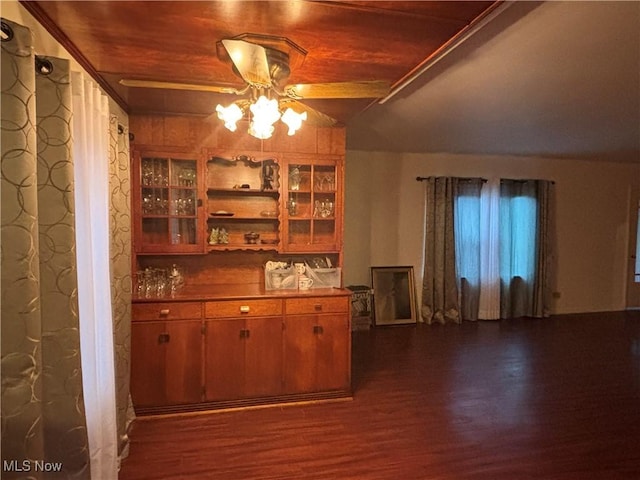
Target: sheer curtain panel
(489,301)
(91,153)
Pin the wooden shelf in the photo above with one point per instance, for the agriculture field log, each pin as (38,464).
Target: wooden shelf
(227,218)
(242,191)
(242,246)
(168,216)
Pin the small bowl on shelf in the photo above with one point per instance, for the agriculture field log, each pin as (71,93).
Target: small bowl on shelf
(251,238)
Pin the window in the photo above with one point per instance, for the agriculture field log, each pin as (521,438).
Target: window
(496,248)
(517,238)
(467,238)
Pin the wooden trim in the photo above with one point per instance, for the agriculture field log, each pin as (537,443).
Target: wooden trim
(252,403)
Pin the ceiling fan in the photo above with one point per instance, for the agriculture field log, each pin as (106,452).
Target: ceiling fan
(264,63)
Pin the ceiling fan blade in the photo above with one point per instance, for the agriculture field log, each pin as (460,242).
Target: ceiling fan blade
(364,89)
(180,86)
(250,60)
(314,117)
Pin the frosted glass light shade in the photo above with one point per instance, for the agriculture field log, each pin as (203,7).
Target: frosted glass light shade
(293,120)
(229,115)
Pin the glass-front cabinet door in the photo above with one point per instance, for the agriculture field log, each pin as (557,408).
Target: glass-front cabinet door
(314,206)
(166,205)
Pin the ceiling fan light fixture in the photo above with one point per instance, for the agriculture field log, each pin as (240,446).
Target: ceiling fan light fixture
(229,115)
(260,131)
(293,120)
(264,113)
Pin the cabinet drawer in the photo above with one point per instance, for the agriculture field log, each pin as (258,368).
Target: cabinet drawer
(317,305)
(243,308)
(166,310)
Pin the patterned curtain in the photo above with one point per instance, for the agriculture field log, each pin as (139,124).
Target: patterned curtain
(440,302)
(120,248)
(43,417)
(542,286)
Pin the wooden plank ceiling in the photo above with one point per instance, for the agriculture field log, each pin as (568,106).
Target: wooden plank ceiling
(176,42)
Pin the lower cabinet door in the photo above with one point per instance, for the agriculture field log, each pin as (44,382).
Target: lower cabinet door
(166,362)
(243,358)
(263,357)
(333,353)
(224,359)
(300,354)
(317,353)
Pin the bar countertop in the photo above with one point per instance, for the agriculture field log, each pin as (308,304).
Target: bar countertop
(238,291)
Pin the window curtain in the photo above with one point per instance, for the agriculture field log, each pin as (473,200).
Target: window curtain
(440,303)
(542,286)
(524,248)
(502,253)
(65,214)
(91,151)
(489,301)
(43,409)
(120,260)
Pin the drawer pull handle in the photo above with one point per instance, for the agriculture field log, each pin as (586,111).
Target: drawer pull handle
(318,307)
(164,312)
(317,329)
(245,333)
(164,338)
(244,309)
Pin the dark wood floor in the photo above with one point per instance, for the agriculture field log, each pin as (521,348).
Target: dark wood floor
(549,399)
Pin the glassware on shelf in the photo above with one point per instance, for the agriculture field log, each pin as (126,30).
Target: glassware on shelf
(176,279)
(294,178)
(323,209)
(183,231)
(186,177)
(183,202)
(292,207)
(154,201)
(147,172)
(158,282)
(324,182)
(168,204)
(155,172)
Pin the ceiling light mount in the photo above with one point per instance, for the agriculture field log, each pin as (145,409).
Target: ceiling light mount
(283,55)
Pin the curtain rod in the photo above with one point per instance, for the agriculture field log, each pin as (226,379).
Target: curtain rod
(484,180)
(420,179)
(523,180)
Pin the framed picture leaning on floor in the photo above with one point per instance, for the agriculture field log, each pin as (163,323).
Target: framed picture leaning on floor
(393,295)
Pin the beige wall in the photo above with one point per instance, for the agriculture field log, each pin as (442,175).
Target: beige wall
(384,217)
